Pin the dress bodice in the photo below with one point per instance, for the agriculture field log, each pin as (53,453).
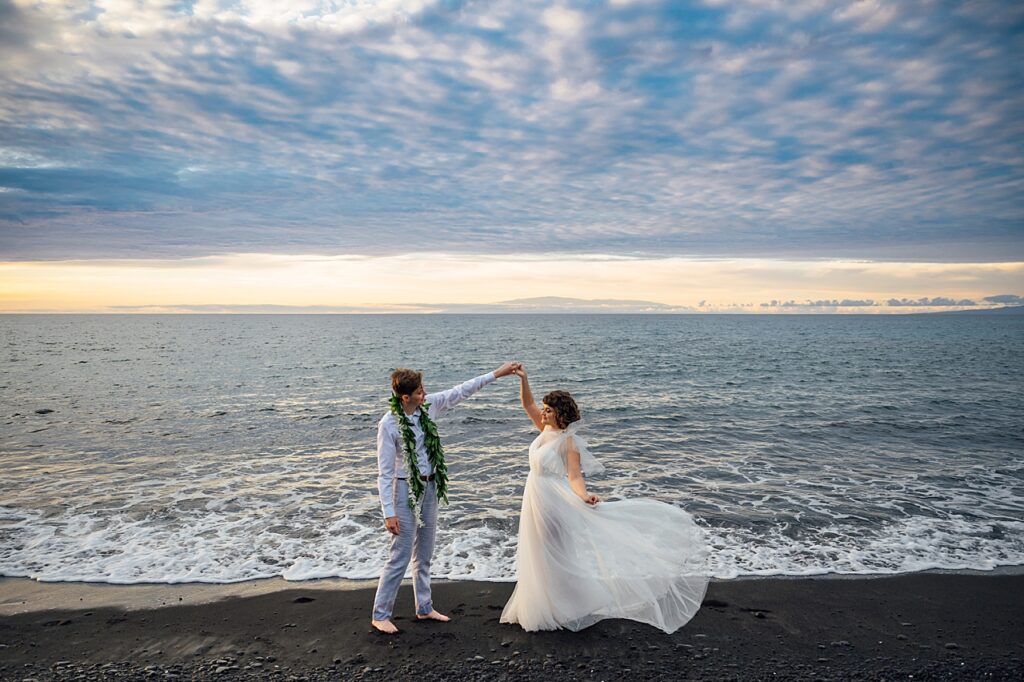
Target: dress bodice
(549,449)
(547,453)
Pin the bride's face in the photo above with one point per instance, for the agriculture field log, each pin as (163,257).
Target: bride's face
(548,417)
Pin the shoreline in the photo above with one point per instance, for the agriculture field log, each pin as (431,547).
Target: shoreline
(930,625)
(26,595)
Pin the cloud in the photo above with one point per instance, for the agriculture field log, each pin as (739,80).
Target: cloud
(878,130)
(821,303)
(1007,299)
(938,301)
(922,302)
(13,30)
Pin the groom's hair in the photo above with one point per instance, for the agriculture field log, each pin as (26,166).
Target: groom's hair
(564,406)
(405,381)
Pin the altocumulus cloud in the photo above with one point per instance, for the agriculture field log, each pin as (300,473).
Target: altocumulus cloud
(875,129)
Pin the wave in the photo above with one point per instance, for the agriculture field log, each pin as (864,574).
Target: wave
(223,544)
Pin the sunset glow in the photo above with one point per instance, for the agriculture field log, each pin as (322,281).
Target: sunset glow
(449,282)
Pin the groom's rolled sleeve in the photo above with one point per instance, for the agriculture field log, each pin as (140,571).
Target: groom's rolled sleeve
(446,400)
(387,454)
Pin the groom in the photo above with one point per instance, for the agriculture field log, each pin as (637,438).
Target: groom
(412,479)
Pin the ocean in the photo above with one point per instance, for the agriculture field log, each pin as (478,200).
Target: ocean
(205,448)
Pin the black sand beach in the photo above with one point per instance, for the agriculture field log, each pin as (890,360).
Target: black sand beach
(921,626)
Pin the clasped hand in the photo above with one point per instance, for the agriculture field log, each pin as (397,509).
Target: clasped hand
(508,368)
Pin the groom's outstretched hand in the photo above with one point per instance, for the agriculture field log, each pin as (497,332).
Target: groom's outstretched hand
(506,369)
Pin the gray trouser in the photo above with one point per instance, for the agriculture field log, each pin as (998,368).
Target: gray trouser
(416,543)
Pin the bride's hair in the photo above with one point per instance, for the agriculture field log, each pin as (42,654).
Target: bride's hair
(564,406)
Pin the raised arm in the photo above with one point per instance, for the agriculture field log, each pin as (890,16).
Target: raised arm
(576,481)
(445,400)
(526,396)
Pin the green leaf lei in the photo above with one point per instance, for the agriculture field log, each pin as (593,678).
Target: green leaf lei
(435,454)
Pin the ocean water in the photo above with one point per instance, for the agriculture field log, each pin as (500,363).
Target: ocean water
(228,448)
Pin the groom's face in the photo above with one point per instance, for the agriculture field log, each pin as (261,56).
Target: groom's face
(416,398)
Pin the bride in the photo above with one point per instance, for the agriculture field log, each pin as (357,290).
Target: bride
(581,560)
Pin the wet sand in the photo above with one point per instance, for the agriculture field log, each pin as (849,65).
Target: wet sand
(19,595)
(930,626)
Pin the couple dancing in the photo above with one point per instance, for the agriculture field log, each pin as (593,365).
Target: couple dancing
(579,560)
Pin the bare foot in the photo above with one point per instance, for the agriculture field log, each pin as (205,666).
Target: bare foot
(433,615)
(385,626)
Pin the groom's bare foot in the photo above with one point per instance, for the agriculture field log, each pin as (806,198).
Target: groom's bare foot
(433,615)
(385,626)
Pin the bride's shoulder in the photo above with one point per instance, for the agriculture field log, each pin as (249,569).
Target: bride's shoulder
(572,431)
(547,436)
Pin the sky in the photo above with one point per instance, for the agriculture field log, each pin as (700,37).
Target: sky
(436,155)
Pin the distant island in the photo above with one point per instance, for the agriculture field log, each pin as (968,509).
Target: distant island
(561,304)
(1005,310)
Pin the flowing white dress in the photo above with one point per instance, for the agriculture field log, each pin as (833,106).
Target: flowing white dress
(577,564)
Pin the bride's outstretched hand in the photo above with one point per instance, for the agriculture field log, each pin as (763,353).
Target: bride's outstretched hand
(507,368)
(520,371)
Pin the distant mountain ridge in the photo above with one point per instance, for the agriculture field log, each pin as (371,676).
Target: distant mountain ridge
(562,304)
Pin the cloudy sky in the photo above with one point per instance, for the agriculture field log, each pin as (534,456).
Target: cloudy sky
(346,154)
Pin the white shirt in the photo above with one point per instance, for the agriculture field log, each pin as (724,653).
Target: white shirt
(391,451)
